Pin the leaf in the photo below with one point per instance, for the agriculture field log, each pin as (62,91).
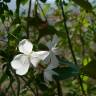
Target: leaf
(43,1)
(48,30)
(5,7)
(3,53)
(86,60)
(2,93)
(23,2)
(90,69)
(66,70)
(65,73)
(42,47)
(2,18)
(7,1)
(84,4)
(65,62)
(3,78)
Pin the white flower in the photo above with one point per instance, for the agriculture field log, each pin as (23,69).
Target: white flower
(52,51)
(48,72)
(51,59)
(22,61)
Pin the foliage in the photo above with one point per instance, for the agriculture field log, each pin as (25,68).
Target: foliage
(74,23)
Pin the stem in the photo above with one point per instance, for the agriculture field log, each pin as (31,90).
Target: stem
(29,11)
(11,82)
(37,94)
(33,92)
(59,89)
(18,82)
(42,10)
(17,7)
(71,47)
(18,85)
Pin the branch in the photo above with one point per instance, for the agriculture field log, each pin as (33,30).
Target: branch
(29,11)
(59,89)
(70,46)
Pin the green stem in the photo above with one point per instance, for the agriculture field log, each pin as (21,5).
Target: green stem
(28,25)
(42,10)
(59,89)
(17,7)
(33,92)
(71,47)
(18,81)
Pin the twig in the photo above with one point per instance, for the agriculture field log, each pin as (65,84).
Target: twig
(71,47)
(18,82)
(42,10)
(37,94)
(59,89)
(17,8)
(29,86)
(29,11)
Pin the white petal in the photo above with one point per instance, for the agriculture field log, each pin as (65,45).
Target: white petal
(54,62)
(41,54)
(53,43)
(48,74)
(52,59)
(49,45)
(16,62)
(57,50)
(21,64)
(36,57)
(55,40)
(47,59)
(25,46)
(35,61)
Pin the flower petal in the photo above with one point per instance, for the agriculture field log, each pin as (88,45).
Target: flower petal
(21,64)
(52,60)
(49,45)
(55,40)
(25,46)
(57,50)
(34,61)
(53,43)
(36,57)
(48,74)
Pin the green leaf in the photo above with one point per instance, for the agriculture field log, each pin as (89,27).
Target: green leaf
(65,73)
(3,53)
(2,93)
(23,2)
(43,1)
(7,1)
(2,18)
(3,78)
(65,62)
(66,70)
(48,30)
(42,47)
(84,4)
(90,69)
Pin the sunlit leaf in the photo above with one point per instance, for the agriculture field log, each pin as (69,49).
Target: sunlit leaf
(90,69)
(23,1)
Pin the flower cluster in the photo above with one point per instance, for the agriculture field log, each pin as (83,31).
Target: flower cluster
(27,56)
